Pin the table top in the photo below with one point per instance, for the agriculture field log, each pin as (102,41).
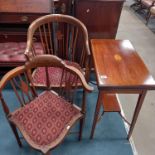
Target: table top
(28,6)
(117,65)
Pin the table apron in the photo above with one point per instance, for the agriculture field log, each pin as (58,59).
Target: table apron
(123,91)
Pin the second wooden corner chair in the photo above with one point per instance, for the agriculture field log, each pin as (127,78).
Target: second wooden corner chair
(43,117)
(63,36)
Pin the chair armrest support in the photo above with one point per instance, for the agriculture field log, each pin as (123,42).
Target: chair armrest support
(80,75)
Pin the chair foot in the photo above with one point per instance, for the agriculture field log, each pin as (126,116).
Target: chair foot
(48,153)
(13,127)
(81,128)
(91,136)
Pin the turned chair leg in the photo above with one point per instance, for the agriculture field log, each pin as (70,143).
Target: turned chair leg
(148,18)
(13,127)
(81,128)
(84,113)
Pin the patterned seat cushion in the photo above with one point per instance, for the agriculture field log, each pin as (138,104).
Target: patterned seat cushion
(44,120)
(13,52)
(55,73)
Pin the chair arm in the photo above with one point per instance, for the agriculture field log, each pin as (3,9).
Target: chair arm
(81,76)
(9,75)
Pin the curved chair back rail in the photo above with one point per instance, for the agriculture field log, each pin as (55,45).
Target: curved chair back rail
(59,35)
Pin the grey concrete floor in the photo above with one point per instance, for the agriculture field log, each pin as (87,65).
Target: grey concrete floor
(131,27)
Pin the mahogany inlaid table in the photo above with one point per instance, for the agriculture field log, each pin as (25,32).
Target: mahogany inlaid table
(119,69)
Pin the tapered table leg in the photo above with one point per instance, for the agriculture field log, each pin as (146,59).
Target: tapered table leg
(97,110)
(136,112)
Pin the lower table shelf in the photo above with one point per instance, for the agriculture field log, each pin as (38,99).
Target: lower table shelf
(110,103)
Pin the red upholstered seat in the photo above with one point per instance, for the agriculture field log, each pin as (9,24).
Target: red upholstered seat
(55,74)
(12,53)
(43,122)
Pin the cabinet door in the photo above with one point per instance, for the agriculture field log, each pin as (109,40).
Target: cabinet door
(101,17)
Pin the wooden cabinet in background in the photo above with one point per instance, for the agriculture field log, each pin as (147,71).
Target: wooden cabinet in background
(101,17)
(16,15)
(15,18)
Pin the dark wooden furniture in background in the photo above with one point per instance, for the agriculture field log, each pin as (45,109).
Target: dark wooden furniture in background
(119,69)
(101,17)
(15,17)
(63,6)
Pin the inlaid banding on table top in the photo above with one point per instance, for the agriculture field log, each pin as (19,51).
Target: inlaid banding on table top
(118,61)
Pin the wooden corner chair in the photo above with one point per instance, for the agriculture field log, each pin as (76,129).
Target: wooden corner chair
(146,4)
(44,117)
(63,36)
(151,13)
